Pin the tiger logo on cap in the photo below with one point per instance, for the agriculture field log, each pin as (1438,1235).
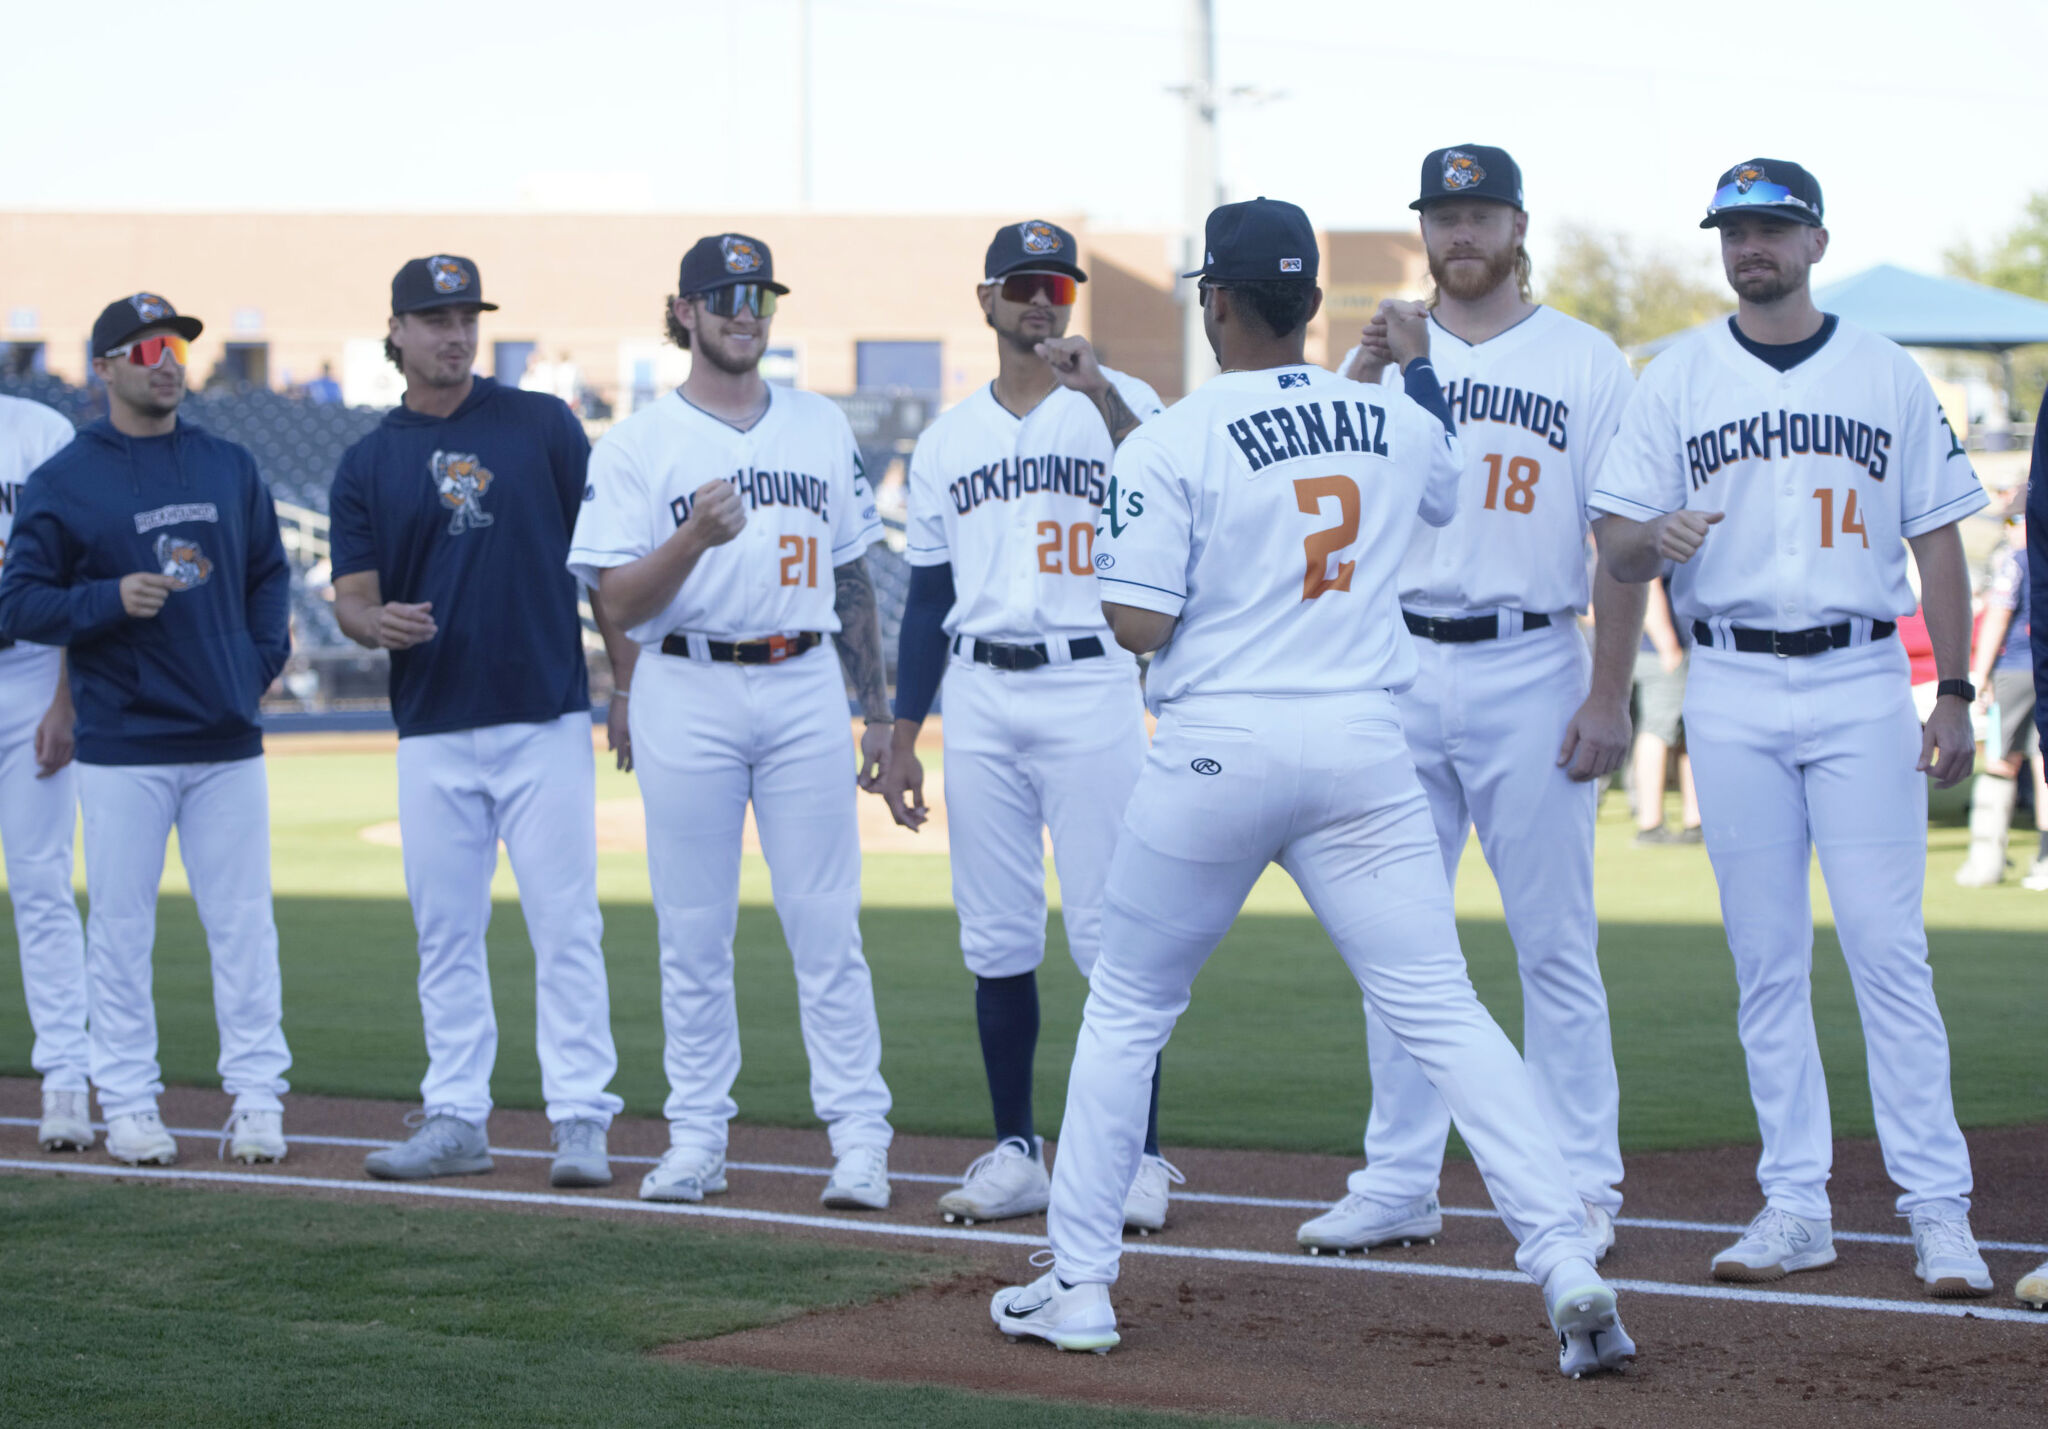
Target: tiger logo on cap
(1040,237)
(149,307)
(741,256)
(448,274)
(180,558)
(461,480)
(1462,171)
(1748,176)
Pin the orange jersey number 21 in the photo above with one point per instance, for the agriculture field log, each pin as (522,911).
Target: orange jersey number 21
(1323,546)
(800,561)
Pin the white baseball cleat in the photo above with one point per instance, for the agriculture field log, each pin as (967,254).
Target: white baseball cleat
(2033,1287)
(1358,1224)
(1582,1309)
(66,1123)
(860,1181)
(1599,1230)
(1945,1255)
(685,1173)
(252,1136)
(139,1139)
(1073,1317)
(1010,1181)
(1776,1244)
(1145,1202)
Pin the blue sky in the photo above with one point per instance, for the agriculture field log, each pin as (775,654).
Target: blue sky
(1920,120)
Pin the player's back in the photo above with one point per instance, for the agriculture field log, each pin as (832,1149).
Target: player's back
(1269,512)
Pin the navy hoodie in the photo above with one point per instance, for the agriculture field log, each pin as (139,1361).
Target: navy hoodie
(180,688)
(473,512)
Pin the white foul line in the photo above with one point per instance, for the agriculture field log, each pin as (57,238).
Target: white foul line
(935,1233)
(1274,1203)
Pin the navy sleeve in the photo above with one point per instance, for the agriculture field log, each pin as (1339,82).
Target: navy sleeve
(1418,380)
(569,454)
(351,536)
(38,601)
(2037,568)
(268,582)
(921,642)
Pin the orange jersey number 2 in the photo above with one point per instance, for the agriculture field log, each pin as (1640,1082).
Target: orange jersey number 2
(1322,547)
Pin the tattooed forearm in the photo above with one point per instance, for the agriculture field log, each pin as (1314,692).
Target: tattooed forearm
(860,637)
(1116,414)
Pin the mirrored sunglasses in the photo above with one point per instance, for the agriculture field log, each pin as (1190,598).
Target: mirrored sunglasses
(1060,289)
(149,351)
(1758,195)
(727,302)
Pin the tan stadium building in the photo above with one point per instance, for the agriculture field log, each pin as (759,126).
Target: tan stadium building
(877,303)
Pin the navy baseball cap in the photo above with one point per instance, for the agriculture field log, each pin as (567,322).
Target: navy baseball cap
(724,259)
(1259,240)
(139,312)
(1766,186)
(1035,245)
(438,282)
(1470,171)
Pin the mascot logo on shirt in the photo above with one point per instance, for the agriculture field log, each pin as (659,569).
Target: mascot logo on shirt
(448,274)
(741,256)
(1462,171)
(462,481)
(180,558)
(1748,176)
(1040,237)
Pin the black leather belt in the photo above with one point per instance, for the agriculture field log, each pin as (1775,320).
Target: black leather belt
(1464,629)
(1784,643)
(772,651)
(1025,657)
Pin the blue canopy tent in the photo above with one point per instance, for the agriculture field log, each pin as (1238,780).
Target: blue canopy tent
(1920,310)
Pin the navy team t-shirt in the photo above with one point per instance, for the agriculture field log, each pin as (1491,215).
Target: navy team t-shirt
(473,512)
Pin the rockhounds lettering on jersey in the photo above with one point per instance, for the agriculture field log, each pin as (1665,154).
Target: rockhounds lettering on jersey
(1794,434)
(770,488)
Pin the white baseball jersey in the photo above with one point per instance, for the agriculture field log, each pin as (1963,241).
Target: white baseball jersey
(1820,471)
(807,501)
(1012,503)
(30,434)
(1268,511)
(1536,407)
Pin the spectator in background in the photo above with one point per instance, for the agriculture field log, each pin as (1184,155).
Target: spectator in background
(324,391)
(2003,674)
(1660,695)
(2032,1288)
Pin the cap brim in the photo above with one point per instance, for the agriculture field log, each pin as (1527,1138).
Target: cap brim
(775,288)
(187,328)
(1422,203)
(451,301)
(1800,215)
(1039,265)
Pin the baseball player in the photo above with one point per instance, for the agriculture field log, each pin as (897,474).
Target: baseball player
(725,528)
(149,548)
(2033,1286)
(2004,676)
(1785,460)
(450,523)
(38,815)
(1258,536)
(1509,721)
(1045,726)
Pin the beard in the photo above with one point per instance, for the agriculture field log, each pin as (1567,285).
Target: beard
(1018,340)
(1467,286)
(722,357)
(1767,285)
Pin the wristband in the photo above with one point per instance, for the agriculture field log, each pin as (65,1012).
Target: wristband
(1961,689)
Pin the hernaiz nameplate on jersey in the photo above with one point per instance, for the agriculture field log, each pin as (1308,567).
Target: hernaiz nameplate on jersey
(1307,428)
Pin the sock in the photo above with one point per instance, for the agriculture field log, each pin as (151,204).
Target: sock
(2044,843)
(1006,1008)
(1152,1116)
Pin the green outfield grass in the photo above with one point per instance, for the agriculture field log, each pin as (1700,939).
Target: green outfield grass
(1270,1055)
(194,1308)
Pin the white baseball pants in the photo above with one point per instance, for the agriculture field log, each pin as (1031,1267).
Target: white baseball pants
(1323,786)
(534,786)
(1793,755)
(38,818)
(1057,747)
(1484,722)
(222,815)
(707,738)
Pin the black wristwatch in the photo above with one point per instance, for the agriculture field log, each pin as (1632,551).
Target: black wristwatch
(1961,689)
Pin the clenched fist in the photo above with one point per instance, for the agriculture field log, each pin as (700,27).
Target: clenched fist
(716,512)
(1406,326)
(1681,533)
(144,593)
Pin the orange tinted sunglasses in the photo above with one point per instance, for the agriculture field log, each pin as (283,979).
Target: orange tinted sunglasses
(1060,290)
(149,351)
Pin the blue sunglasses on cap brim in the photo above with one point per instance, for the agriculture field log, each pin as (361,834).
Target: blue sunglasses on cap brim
(1758,195)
